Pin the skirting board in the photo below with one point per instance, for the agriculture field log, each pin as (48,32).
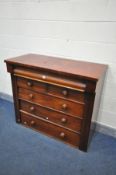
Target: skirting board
(6,97)
(98,126)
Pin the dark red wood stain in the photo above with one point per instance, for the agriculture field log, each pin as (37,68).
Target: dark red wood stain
(56,96)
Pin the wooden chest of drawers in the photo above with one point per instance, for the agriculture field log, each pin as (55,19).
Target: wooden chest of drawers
(56,96)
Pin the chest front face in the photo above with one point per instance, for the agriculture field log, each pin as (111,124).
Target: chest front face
(58,104)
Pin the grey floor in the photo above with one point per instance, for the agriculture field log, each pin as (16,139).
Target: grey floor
(26,152)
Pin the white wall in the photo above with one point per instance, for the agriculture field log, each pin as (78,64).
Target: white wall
(77,29)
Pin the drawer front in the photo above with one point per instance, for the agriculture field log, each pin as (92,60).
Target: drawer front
(50,89)
(50,129)
(51,78)
(32,85)
(66,93)
(51,115)
(65,106)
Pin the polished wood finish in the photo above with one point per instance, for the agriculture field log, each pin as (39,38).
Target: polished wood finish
(87,70)
(51,79)
(65,106)
(51,89)
(48,128)
(56,96)
(60,118)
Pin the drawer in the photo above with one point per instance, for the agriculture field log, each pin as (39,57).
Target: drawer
(51,115)
(51,78)
(68,107)
(50,129)
(66,93)
(50,89)
(32,85)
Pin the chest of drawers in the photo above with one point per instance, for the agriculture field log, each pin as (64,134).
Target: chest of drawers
(55,96)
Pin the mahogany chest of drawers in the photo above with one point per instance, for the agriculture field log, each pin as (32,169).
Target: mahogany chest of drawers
(56,96)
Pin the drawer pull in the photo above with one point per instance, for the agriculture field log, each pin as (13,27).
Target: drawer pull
(32,109)
(25,123)
(44,77)
(32,123)
(62,135)
(30,96)
(29,84)
(65,92)
(47,118)
(63,120)
(64,106)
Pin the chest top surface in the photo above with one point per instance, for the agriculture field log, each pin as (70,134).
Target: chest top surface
(88,70)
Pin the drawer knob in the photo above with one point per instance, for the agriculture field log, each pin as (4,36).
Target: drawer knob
(64,106)
(47,118)
(62,135)
(63,120)
(30,96)
(29,83)
(32,123)
(44,77)
(65,92)
(25,123)
(32,109)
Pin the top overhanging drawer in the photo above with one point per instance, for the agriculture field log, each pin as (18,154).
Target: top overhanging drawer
(51,78)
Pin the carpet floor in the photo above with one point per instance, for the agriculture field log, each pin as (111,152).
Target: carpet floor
(26,152)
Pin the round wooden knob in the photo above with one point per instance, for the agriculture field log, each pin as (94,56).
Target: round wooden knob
(30,96)
(32,122)
(64,106)
(62,134)
(25,122)
(65,92)
(63,120)
(32,108)
(29,83)
(44,77)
